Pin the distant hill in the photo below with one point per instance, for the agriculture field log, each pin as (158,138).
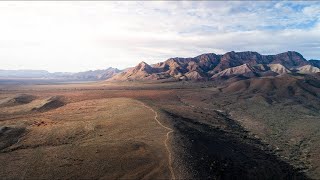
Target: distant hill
(94,75)
(211,66)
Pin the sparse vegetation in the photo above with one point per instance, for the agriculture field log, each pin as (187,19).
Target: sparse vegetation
(220,130)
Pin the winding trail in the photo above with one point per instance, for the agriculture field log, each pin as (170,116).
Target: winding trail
(165,141)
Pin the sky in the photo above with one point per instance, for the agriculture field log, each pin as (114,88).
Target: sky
(79,36)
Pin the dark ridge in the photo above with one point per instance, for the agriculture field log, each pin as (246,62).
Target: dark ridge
(19,99)
(10,136)
(53,103)
(214,153)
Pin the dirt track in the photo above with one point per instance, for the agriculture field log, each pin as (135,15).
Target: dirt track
(165,141)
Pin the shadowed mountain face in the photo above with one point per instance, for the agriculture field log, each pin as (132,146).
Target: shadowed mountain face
(211,66)
(315,63)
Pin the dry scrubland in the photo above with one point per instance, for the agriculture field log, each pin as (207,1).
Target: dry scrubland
(104,130)
(102,138)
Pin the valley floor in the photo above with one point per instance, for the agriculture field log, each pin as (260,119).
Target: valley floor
(153,131)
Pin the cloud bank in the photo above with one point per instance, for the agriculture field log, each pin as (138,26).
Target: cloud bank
(77,36)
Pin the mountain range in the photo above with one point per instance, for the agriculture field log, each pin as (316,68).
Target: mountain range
(211,66)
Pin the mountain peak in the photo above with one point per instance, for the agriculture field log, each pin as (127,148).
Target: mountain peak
(293,52)
(143,66)
(143,63)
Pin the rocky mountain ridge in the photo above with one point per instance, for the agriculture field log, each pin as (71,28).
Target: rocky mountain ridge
(210,66)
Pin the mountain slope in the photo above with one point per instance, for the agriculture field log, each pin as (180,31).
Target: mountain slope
(279,68)
(308,69)
(244,70)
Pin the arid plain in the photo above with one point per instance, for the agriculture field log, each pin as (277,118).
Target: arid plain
(154,130)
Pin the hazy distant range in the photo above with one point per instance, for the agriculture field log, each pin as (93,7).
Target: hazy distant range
(92,75)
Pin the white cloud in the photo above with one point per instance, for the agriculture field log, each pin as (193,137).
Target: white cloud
(76,36)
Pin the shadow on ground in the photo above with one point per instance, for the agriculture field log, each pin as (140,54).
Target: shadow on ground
(213,153)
